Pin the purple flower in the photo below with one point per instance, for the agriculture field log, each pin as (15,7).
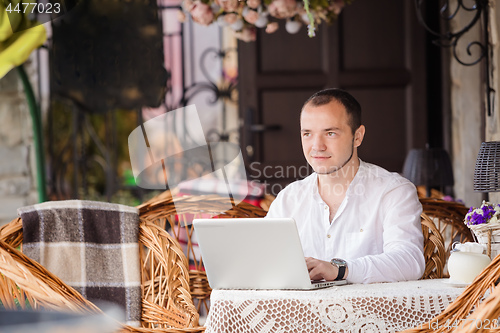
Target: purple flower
(481,215)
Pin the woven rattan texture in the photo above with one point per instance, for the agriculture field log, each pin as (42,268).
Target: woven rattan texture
(488,234)
(422,193)
(267,201)
(434,252)
(448,216)
(471,299)
(177,214)
(487,168)
(485,317)
(167,304)
(193,204)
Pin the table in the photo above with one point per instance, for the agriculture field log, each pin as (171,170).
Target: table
(379,307)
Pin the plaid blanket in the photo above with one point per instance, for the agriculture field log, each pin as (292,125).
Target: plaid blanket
(92,246)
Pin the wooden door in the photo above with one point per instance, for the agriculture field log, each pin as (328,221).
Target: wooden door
(376,51)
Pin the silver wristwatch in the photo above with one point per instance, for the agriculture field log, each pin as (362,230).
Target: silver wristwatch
(341,265)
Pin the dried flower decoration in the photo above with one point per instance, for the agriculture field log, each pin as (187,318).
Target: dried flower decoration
(245,16)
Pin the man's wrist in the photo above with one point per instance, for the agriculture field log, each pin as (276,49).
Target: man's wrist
(341,265)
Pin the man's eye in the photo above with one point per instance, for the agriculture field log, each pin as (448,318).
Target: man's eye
(306,134)
(331,133)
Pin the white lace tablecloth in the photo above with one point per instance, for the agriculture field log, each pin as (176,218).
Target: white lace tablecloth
(380,307)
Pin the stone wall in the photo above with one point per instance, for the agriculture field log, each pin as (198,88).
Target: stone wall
(492,127)
(467,113)
(17,182)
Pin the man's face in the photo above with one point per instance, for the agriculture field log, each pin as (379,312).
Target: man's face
(327,139)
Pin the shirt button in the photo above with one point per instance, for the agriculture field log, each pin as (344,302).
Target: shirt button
(361,230)
(326,207)
(329,236)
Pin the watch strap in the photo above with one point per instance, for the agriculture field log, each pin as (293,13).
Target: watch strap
(341,265)
(341,273)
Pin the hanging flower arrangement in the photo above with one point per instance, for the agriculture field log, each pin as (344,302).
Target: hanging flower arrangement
(245,16)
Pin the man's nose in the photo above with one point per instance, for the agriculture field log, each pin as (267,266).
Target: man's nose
(318,144)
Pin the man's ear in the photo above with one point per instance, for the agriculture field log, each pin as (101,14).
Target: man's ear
(359,135)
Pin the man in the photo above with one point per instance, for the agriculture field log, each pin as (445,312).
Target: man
(356,220)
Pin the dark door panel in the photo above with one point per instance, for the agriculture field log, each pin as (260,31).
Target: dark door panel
(376,51)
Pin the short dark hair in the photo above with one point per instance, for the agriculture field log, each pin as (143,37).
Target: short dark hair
(350,103)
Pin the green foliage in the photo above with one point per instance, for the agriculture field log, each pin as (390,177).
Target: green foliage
(318,4)
(27,305)
(94,133)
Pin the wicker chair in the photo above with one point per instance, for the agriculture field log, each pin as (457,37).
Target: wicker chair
(435,194)
(434,252)
(458,318)
(178,212)
(485,317)
(267,201)
(449,219)
(166,302)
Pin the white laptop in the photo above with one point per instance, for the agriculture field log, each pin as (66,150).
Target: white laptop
(253,253)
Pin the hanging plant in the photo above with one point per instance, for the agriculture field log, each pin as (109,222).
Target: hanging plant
(246,16)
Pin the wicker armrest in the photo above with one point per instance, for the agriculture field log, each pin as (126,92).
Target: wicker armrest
(42,287)
(167,304)
(12,232)
(177,213)
(434,251)
(471,298)
(166,300)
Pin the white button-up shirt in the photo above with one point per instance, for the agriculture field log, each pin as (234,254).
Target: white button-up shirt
(376,229)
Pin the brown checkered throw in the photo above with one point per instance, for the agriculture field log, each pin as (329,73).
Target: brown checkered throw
(92,246)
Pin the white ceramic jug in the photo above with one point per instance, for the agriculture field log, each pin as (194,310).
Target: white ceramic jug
(466,262)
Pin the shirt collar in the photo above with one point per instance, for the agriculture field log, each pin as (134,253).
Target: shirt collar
(359,174)
(357,177)
(314,188)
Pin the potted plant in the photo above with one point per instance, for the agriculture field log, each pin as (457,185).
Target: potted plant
(485,224)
